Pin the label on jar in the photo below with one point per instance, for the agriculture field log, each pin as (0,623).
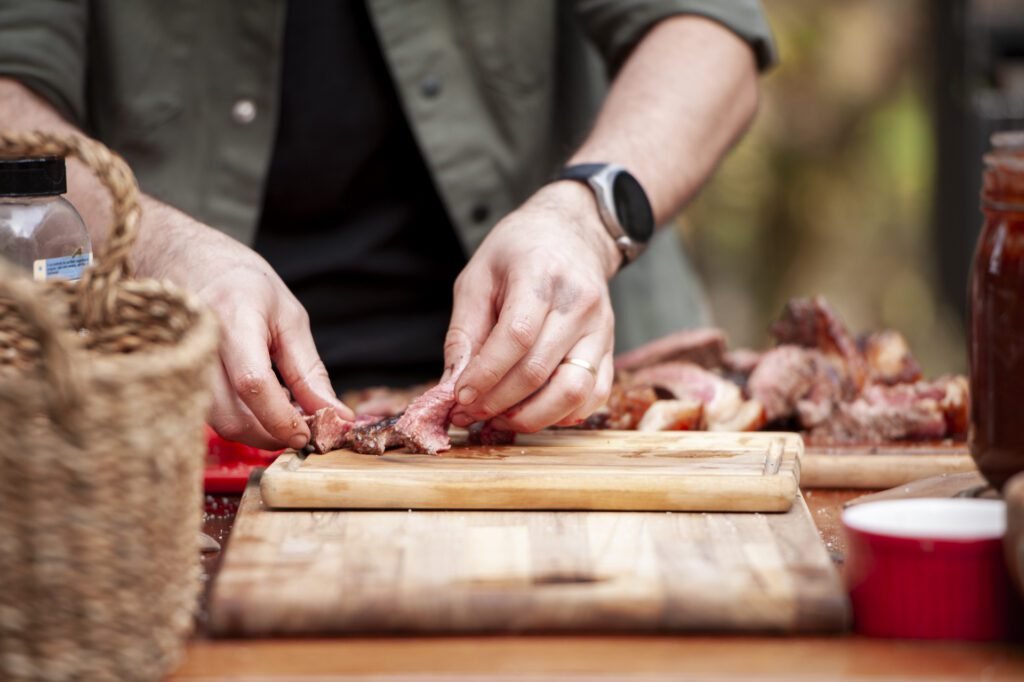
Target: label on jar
(65,267)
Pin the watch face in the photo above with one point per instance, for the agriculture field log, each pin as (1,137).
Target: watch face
(632,208)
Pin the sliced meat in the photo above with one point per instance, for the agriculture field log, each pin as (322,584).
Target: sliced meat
(740,362)
(888,358)
(954,399)
(672,415)
(685,381)
(423,426)
(598,420)
(367,434)
(376,437)
(703,347)
(626,406)
(782,377)
(956,405)
(811,323)
(886,413)
(750,417)
(793,381)
(327,431)
(482,433)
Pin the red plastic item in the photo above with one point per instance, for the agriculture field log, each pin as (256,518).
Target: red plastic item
(930,569)
(229,464)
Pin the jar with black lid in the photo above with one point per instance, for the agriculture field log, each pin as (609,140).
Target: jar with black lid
(39,229)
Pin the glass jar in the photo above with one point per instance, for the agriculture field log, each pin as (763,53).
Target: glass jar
(39,229)
(996,434)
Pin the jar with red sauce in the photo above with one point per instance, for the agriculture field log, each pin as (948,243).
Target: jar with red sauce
(997,315)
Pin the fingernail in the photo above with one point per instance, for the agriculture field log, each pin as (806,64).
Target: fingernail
(297,442)
(462,420)
(467,395)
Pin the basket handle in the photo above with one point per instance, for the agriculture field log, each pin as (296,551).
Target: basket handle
(63,382)
(96,293)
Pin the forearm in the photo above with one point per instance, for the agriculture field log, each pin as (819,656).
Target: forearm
(163,227)
(680,101)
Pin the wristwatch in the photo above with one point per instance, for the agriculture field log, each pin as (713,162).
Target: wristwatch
(621,203)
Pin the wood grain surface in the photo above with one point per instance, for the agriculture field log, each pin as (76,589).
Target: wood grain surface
(655,658)
(334,572)
(608,470)
(876,467)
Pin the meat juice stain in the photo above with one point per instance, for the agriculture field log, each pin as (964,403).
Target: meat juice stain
(474,452)
(996,435)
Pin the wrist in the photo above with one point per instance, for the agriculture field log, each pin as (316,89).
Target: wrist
(578,207)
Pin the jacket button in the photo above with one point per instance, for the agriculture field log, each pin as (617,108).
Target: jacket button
(243,111)
(430,86)
(480,213)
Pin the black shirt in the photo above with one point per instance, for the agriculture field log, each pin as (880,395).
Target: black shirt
(351,219)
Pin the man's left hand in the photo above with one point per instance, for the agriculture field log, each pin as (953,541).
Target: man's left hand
(534,294)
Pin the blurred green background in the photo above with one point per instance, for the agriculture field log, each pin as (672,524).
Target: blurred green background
(831,190)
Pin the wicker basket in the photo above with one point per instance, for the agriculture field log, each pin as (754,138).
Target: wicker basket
(104,386)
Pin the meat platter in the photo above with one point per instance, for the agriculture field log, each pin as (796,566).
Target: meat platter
(860,398)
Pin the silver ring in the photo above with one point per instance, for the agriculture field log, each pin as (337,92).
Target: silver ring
(580,362)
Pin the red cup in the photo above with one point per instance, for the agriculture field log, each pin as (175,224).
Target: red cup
(929,569)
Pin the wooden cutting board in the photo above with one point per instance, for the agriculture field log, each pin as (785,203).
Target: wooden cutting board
(877,467)
(610,470)
(346,572)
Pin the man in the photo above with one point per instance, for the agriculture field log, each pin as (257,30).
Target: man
(365,150)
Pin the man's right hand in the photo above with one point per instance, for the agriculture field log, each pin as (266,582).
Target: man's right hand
(263,326)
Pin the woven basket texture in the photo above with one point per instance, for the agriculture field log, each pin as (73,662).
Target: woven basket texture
(104,387)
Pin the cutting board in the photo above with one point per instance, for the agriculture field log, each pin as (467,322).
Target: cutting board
(433,572)
(610,470)
(877,467)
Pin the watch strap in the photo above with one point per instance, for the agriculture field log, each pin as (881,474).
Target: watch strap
(580,171)
(591,175)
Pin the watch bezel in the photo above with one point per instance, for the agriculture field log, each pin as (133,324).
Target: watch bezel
(604,182)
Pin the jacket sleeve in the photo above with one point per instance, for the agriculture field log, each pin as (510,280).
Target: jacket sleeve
(616,26)
(43,45)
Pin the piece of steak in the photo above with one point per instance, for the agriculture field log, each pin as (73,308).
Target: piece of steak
(482,433)
(811,323)
(888,358)
(375,437)
(704,347)
(423,426)
(672,415)
(887,413)
(721,398)
(750,417)
(327,431)
(793,381)
(626,406)
(953,396)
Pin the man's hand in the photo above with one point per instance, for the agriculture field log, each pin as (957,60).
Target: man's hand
(263,327)
(534,294)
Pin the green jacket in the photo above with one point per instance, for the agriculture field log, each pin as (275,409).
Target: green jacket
(498,92)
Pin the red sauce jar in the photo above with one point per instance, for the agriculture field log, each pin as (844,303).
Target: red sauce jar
(997,316)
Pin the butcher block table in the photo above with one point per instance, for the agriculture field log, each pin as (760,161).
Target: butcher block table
(593,657)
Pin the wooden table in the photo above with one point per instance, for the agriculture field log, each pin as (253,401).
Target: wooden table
(599,657)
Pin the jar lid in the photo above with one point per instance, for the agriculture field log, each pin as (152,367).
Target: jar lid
(38,177)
